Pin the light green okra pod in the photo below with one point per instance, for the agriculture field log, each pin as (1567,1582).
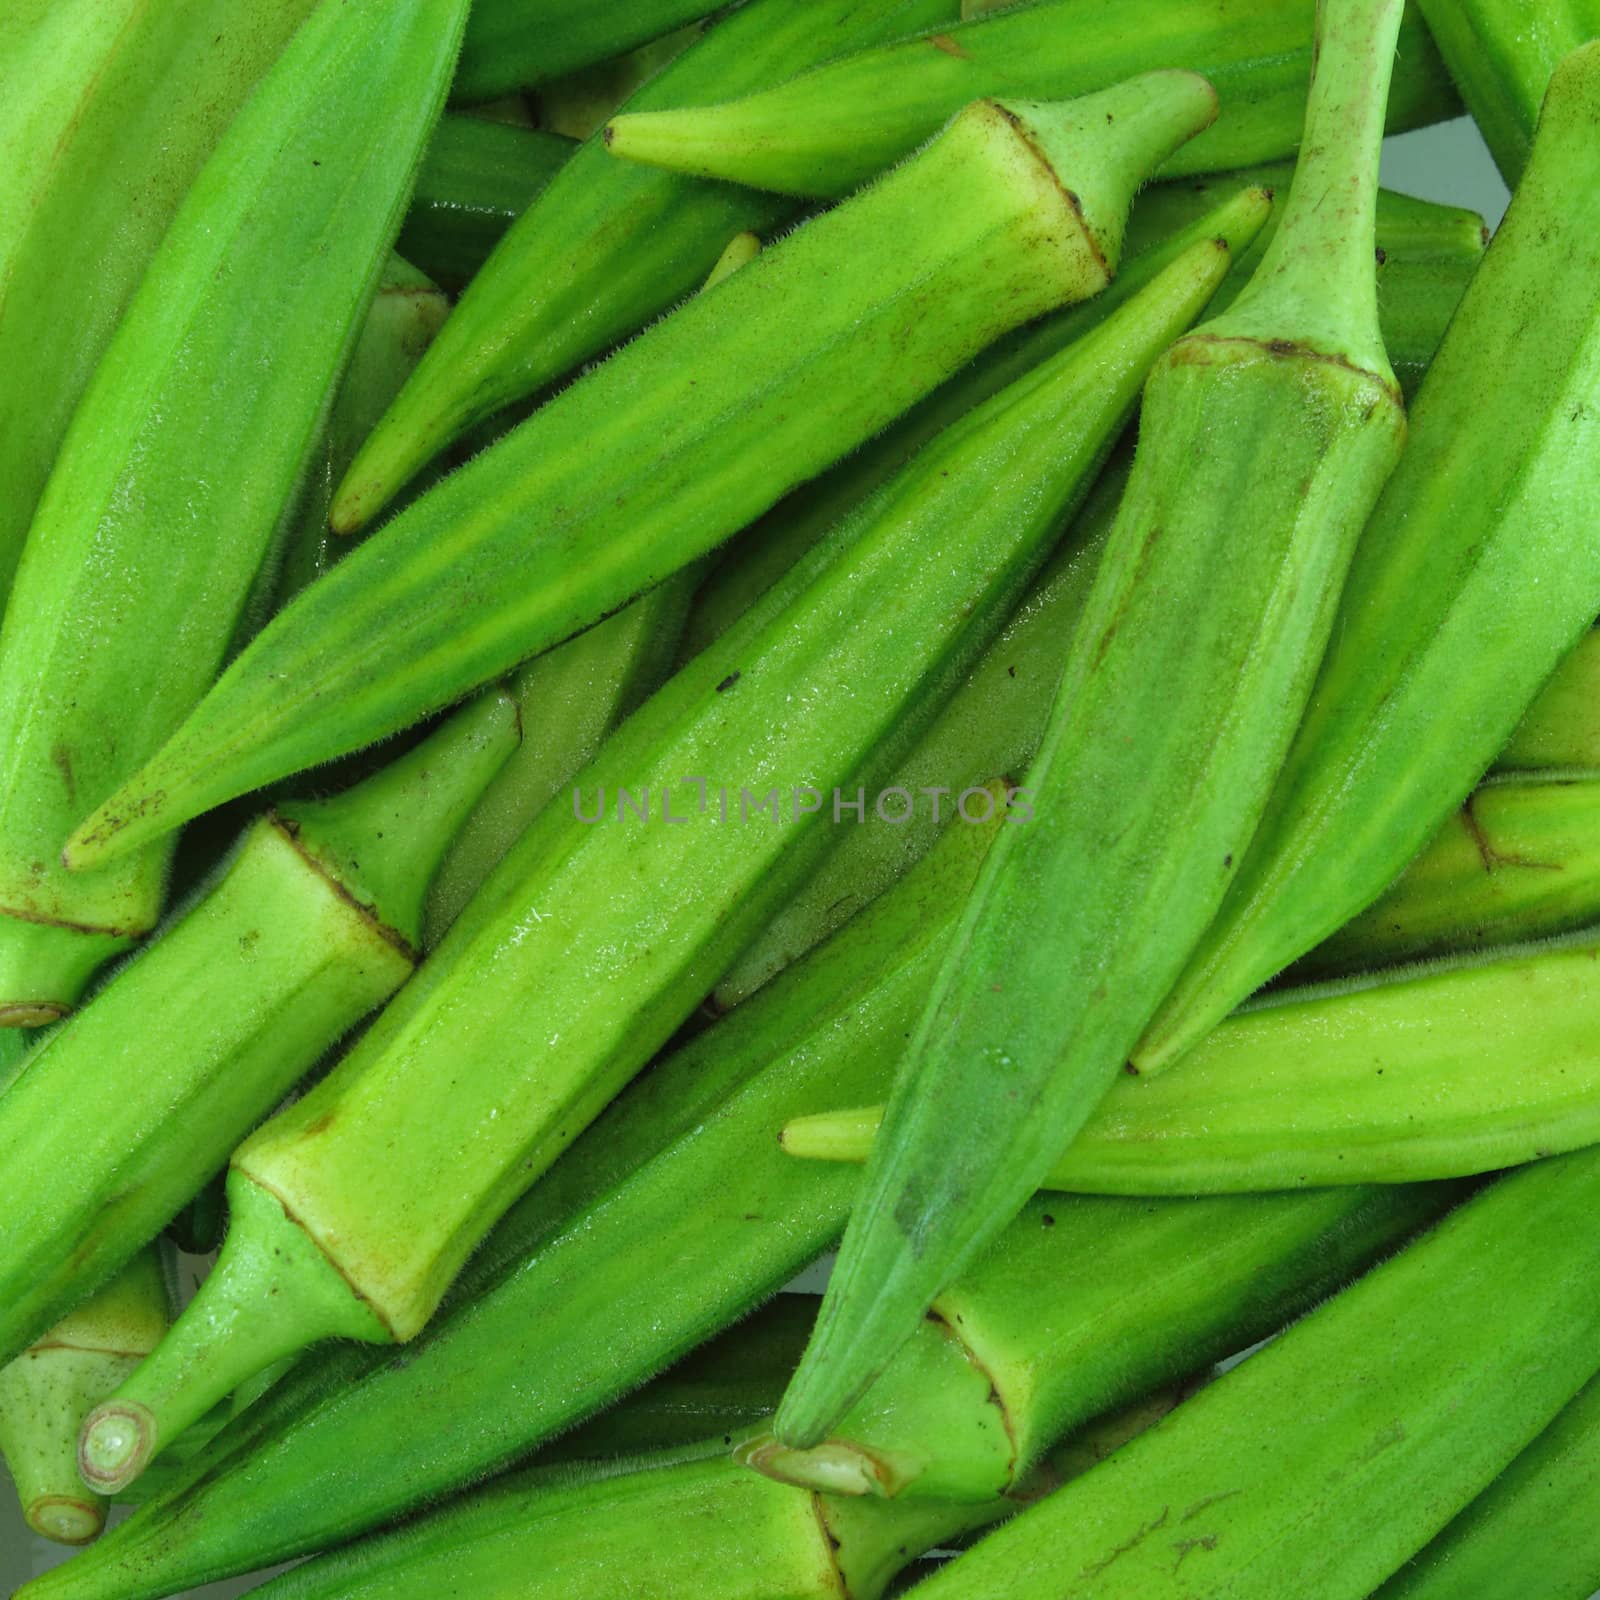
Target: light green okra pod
(1330,1457)
(197,424)
(833,128)
(515,44)
(124,1111)
(1501,54)
(658,454)
(1434,1071)
(99,153)
(1265,437)
(610,245)
(1531,1535)
(1474,579)
(46,1392)
(1562,727)
(356,1207)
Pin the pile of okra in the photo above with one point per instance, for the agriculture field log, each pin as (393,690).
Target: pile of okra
(651,643)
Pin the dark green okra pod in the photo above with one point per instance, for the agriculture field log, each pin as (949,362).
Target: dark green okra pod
(1474,579)
(98,158)
(659,453)
(1532,1534)
(1330,1457)
(46,1392)
(171,486)
(1501,54)
(610,245)
(352,1211)
(1265,437)
(831,129)
(127,1108)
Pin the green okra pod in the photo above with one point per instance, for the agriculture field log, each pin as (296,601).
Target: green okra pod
(1501,54)
(680,438)
(827,131)
(578,104)
(1531,1535)
(1435,1071)
(515,44)
(198,422)
(46,1392)
(124,1111)
(352,1212)
(98,158)
(1562,727)
(1081,1306)
(1329,1458)
(1474,579)
(1265,437)
(672,1216)
(609,246)
(1520,860)
(476,179)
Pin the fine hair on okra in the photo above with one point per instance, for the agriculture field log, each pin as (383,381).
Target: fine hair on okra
(1265,436)
(681,437)
(98,164)
(353,1211)
(151,535)
(1327,1459)
(609,246)
(825,131)
(1476,576)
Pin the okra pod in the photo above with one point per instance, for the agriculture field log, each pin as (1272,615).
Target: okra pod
(351,1212)
(578,104)
(1518,861)
(671,1216)
(1501,54)
(516,44)
(1473,581)
(46,1392)
(1081,1306)
(197,424)
(477,178)
(829,130)
(1562,727)
(1435,1071)
(1265,437)
(124,1111)
(1330,1457)
(679,439)
(609,246)
(1531,1535)
(99,159)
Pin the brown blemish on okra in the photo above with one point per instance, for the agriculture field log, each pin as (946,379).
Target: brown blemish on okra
(1198,347)
(1042,159)
(1492,858)
(943,41)
(291,833)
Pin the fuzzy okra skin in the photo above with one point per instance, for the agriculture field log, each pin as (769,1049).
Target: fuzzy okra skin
(825,132)
(1562,727)
(46,1392)
(1434,1071)
(476,179)
(125,1110)
(672,1216)
(1501,54)
(1330,1457)
(99,154)
(680,438)
(376,1205)
(198,420)
(516,44)
(1265,436)
(609,246)
(1532,1534)
(1474,579)
(1082,1305)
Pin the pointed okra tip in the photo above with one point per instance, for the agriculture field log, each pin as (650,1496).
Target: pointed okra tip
(1102,148)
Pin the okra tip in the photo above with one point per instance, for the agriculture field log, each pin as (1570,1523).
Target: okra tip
(836,1467)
